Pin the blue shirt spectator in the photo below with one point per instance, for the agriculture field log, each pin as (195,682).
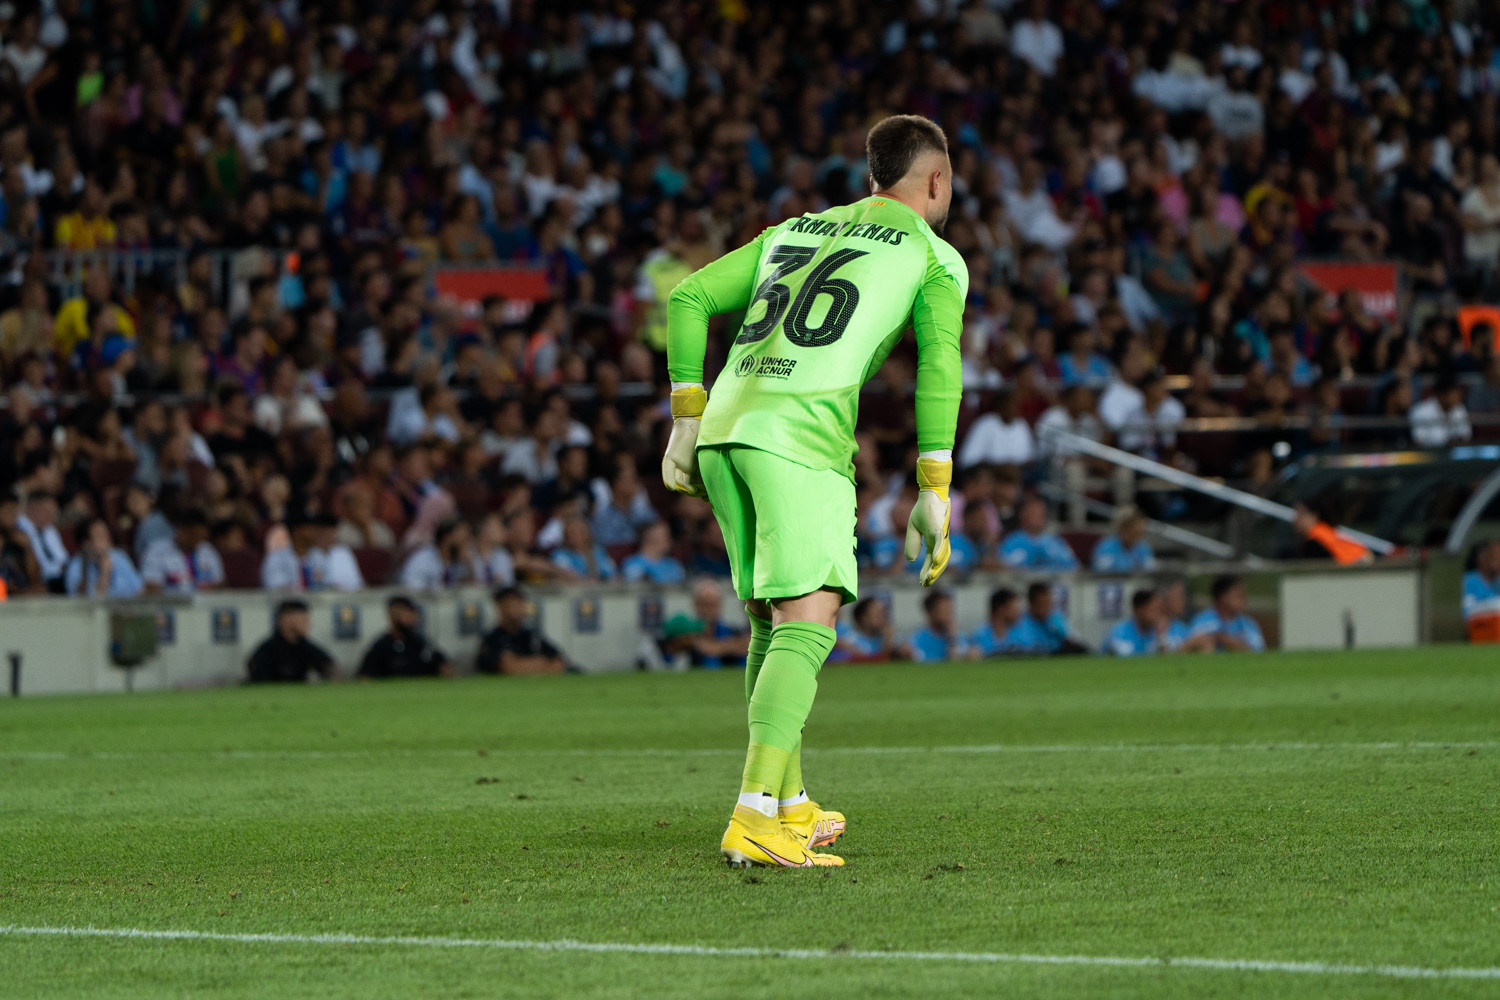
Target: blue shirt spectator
(654,563)
(1141,633)
(993,638)
(1127,638)
(867,636)
(87,575)
(1112,556)
(1126,550)
(939,639)
(1177,633)
(1037,635)
(576,562)
(930,646)
(1031,545)
(652,569)
(1229,627)
(1093,368)
(1481,598)
(1023,550)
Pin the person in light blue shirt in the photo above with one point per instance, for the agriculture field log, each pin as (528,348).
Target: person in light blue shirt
(1174,611)
(654,562)
(1082,363)
(1042,630)
(866,638)
(1031,545)
(1126,551)
(99,569)
(1141,633)
(939,640)
(993,637)
(1481,596)
(1226,627)
(580,555)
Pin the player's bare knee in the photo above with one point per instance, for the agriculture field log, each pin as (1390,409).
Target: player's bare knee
(758,608)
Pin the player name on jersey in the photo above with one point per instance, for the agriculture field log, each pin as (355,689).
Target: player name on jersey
(868,230)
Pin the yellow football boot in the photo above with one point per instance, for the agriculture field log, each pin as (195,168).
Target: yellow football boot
(754,839)
(816,826)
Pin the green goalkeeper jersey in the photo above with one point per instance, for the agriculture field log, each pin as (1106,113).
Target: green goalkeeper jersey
(826,297)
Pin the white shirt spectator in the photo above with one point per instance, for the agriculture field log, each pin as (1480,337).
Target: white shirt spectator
(26,63)
(272,414)
(165,565)
(1119,400)
(1039,43)
(1237,114)
(47,545)
(1147,433)
(281,569)
(1432,427)
(425,569)
(1247,56)
(1035,218)
(1136,303)
(992,440)
(1058,418)
(499,568)
(1296,84)
(533,462)
(1482,247)
(341,569)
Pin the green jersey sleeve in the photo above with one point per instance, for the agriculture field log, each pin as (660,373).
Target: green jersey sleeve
(937,317)
(723,286)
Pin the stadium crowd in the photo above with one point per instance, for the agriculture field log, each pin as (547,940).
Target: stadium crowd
(1133,183)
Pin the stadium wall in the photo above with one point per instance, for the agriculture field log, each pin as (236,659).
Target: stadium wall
(65,646)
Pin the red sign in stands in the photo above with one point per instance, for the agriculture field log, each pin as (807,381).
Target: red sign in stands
(1377,283)
(475,284)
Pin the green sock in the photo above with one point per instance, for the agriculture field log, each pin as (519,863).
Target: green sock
(781,701)
(791,781)
(760,641)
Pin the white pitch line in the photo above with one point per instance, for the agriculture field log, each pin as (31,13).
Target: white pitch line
(709,951)
(990,748)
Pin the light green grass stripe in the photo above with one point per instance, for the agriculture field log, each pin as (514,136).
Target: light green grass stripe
(708,951)
(987,748)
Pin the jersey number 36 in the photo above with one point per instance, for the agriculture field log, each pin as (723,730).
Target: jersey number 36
(778,297)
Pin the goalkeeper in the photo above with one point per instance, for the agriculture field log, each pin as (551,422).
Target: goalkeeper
(827,297)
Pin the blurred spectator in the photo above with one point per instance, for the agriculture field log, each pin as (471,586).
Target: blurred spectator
(938,640)
(1484,396)
(1143,632)
(720,645)
(151,524)
(287,404)
(359,528)
(289,656)
(491,557)
(99,569)
(184,562)
(1441,419)
(1225,627)
(1031,545)
(513,647)
(447,561)
(1174,615)
(1126,551)
(1481,600)
(18,565)
(654,563)
(868,636)
(1150,428)
(993,638)
(1000,437)
(1074,414)
(619,518)
(403,651)
(39,525)
(580,556)
(1042,630)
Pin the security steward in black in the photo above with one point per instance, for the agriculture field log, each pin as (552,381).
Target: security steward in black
(289,656)
(404,651)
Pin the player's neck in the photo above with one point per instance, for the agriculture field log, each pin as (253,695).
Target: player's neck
(918,205)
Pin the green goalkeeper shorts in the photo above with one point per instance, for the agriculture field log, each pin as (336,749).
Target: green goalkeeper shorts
(789,530)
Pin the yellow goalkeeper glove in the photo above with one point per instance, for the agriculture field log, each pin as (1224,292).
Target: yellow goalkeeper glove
(679,467)
(928,523)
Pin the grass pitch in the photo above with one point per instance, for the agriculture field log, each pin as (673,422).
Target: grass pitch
(1337,809)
